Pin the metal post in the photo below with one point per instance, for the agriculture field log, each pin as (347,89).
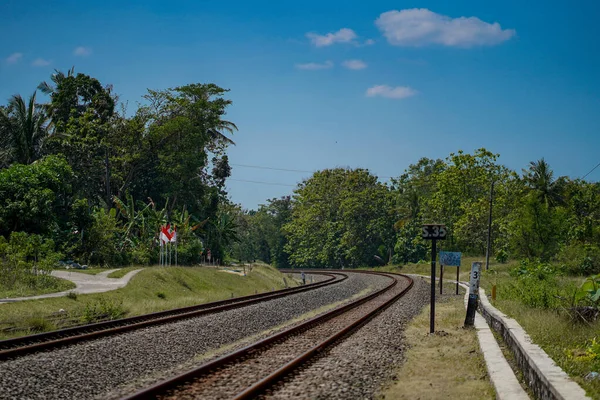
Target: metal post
(457,277)
(432,305)
(489,232)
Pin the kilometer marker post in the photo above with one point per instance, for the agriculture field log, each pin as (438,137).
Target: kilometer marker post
(433,232)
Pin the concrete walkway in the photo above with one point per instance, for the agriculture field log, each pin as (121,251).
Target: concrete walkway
(85,283)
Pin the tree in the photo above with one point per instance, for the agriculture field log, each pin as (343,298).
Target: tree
(24,128)
(540,178)
(56,78)
(35,198)
(340,218)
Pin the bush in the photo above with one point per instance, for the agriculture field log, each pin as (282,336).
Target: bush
(72,295)
(580,259)
(27,260)
(502,256)
(190,252)
(103,309)
(535,285)
(39,324)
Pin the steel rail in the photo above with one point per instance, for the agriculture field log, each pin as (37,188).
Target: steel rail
(43,341)
(160,388)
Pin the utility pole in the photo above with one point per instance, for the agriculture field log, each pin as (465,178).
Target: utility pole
(489,232)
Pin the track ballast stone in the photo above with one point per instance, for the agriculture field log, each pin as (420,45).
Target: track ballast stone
(92,369)
(358,367)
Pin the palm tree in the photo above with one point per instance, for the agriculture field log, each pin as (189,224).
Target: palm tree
(57,77)
(540,178)
(24,129)
(217,136)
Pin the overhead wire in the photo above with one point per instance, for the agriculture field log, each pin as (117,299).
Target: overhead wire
(284,169)
(592,170)
(263,183)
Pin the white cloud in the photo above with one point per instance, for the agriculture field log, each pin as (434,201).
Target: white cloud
(315,66)
(344,35)
(420,27)
(14,58)
(82,51)
(369,42)
(40,62)
(398,92)
(354,64)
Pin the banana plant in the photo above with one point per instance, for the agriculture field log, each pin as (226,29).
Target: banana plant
(590,291)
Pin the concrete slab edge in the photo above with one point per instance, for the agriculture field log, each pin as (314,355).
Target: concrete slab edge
(502,377)
(546,379)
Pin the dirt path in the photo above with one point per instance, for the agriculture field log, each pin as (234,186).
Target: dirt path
(85,283)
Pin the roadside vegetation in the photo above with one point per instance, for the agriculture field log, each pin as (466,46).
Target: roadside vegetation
(556,309)
(82,178)
(153,289)
(446,365)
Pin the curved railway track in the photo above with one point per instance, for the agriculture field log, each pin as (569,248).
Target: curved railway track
(250,371)
(17,347)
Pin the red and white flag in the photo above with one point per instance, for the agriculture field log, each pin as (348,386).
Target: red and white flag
(174,235)
(165,235)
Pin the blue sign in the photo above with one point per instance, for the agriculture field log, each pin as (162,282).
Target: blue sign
(450,259)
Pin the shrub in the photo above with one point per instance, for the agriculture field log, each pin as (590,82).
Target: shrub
(103,309)
(161,295)
(39,324)
(502,256)
(535,285)
(27,260)
(581,259)
(72,295)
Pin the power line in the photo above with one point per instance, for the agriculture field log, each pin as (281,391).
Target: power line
(592,170)
(285,169)
(272,168)
(263,183)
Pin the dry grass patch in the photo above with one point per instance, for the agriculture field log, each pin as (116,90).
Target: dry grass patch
(447,365)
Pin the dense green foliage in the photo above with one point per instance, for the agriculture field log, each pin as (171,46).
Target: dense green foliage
(98,182)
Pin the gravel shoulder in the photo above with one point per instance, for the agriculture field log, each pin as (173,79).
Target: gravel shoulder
(358,367)
(92,369)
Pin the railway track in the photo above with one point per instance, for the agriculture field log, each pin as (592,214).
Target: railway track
(250,371)
(17,347)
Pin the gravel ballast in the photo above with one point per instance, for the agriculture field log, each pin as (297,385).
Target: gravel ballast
(92,369)
(359,366)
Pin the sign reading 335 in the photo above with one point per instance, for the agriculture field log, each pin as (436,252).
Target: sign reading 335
(434,231)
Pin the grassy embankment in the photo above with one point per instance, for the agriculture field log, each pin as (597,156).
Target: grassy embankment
(153,289)
(51,285)
(565,341)
(447,365)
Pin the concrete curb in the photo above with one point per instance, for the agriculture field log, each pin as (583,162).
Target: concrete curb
(546,379)
(503,378)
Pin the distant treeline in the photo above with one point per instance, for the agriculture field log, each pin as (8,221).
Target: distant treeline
(94,183)
(347,218)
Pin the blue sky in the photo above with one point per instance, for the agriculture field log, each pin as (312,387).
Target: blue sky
(318,84)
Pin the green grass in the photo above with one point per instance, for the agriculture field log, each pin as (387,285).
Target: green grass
(51,285)
(89,271)
(449,366)
(153,289)
(122,272)
(552,329)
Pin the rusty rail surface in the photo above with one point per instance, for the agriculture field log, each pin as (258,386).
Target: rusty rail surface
(20,346)
(162,388)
